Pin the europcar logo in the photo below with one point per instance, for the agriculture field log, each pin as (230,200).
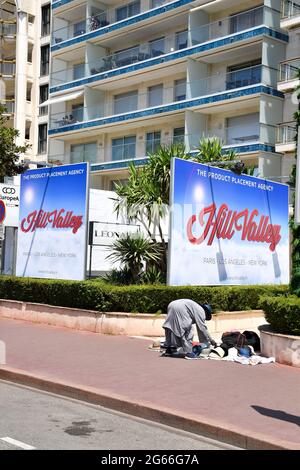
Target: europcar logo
(8,190)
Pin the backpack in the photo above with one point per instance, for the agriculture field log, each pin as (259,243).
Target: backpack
(252,339)
(234,339)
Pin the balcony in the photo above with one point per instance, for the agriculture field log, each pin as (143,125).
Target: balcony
(289,75)
(9,106)
(7,68)
(100,19)
(248,143)
(8,29)
(290,14)
(216,89)
(148,52)
(286,137)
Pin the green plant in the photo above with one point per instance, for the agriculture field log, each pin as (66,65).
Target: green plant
(118,277)
(132,251)
(210,150)
(9,151)
(153,276)
(283,313)
(98,295)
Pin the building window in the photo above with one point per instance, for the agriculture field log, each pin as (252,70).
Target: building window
(126,11)
(77,113)
(242,129)
(123,148)
(246,19)
(43,133)
(157,3)
(78,71)
(245,74)
(28,91)
(27,130)
(155,95)
(84,153)
(79,28)
(45,52)
(126,56)
(178,135)
(157,47)
(29,53)
(180,89)
(181,39)
(125,102)
(44,95)
(152,142)
(45,22)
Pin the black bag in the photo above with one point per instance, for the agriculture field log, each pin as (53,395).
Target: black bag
(252,339)
(234,339)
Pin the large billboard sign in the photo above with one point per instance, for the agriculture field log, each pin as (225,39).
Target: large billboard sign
(52,236)
(226,229)
(10,198)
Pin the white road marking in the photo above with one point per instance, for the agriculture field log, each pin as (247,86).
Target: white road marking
(16,443)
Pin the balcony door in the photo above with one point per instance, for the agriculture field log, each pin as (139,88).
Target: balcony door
(243,129)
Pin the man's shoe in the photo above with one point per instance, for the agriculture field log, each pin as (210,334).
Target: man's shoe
(191,356)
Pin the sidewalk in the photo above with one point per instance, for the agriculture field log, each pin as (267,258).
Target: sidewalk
(251,406)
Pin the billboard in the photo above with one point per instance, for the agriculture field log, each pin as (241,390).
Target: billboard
(226,229)
(10,197)
(52,236)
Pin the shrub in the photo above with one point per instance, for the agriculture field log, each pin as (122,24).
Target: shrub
(283,313)
(76,294)
(98,295)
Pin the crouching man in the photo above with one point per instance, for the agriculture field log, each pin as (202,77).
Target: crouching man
(181,315)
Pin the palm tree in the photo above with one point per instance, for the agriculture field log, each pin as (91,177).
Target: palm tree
(210,150)
(133,251)
(146,196)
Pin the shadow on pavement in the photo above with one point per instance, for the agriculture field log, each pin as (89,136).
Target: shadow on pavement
(277,414)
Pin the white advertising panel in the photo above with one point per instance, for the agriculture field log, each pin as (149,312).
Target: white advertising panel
(107,233)
(226,229)
(52,238)
(10,196)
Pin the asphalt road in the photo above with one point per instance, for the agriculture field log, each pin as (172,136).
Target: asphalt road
(40,420)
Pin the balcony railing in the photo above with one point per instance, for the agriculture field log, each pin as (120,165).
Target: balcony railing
(195,89)
(85,25)
(289,70)
(245,135)
(286,133)
(226,26)
(290,9)
(7,68)
(8,28)
(9,106)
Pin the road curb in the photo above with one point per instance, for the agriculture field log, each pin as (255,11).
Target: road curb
(234,436)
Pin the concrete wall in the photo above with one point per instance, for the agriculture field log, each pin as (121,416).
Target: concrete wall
(285,348)
(130,324)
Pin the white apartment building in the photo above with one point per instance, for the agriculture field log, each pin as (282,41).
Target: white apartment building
(287,82)
(129,75)
(24,70)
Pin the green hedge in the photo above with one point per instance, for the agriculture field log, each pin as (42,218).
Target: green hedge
(96,295)
(283,313)
(85,295)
